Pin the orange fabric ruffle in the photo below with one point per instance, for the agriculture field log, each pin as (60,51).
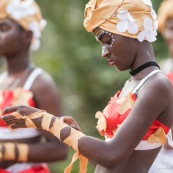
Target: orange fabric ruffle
(116,112)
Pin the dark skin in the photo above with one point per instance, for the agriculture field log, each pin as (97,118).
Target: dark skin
(14,47)
(154,101)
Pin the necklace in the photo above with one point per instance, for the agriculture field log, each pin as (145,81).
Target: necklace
(142,67)
(18,80)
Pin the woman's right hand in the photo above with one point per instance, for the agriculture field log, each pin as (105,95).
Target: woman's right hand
(22,110)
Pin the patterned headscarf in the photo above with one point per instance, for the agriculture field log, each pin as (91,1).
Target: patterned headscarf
(130,18)
(27,14)
(165,12)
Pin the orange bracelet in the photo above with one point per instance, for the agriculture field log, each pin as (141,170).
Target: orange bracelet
(58,125)
(9,151)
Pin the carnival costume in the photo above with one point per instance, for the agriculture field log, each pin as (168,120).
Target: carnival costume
(135,19)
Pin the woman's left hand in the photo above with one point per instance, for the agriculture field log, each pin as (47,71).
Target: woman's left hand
(24,111)
(71,122)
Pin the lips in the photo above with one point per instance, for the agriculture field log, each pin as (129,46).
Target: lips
(111,61)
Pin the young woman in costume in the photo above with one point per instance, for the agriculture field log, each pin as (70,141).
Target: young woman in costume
(23,150)
(137,119)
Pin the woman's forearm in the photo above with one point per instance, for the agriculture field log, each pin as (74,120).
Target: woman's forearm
(47,152)
(103,154)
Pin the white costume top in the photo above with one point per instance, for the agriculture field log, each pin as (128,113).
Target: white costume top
(8,134)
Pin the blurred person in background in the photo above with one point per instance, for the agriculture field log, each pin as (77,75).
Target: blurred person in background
(25,150)
(164,161)
(136,120)
(165,19)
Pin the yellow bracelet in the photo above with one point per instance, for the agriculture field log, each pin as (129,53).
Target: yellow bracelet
(72,141)
(10,154)
(1,154)
(58,125)
(9,151)
(23,150)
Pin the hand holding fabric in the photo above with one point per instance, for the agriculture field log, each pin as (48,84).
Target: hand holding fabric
(71,122)
(21,117)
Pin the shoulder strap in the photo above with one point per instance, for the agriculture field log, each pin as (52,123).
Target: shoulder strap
(29,82)
(144,80)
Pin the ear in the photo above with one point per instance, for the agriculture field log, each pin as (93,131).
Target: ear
(28,37)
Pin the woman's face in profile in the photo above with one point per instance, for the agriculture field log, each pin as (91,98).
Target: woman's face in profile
(168,34)
(119,50)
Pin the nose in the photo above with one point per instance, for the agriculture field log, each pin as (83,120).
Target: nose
(105,52)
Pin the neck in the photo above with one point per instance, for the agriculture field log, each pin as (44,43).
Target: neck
(18,63)
(144,54)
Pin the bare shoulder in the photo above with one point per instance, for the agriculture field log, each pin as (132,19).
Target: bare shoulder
(158,87)
(46,93)
(44,83)
(154,100)
(157,95)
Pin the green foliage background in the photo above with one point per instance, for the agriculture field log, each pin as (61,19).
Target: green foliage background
(73,58)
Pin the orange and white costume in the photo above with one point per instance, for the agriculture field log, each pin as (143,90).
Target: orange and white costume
(119,108)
